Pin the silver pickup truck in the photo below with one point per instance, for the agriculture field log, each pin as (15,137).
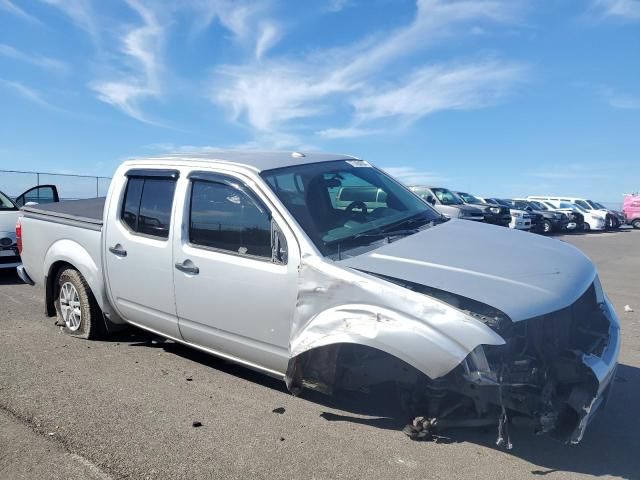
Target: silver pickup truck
(252,257)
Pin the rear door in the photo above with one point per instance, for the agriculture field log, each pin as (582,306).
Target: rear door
(236,271)
(138,255)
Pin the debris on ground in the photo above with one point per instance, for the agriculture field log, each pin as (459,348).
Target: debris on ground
(628,309)
(189,379)
(196,424)
(279,410)
(421,428)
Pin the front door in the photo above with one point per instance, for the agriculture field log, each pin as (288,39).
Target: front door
(235,294)
(138,255)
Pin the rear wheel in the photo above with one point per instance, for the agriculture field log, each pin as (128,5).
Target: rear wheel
(546,226)
(76,306)
(636,223)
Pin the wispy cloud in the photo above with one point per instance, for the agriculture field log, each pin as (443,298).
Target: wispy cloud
(579,171)
(47,63)
(270,94)
(623,9)
(80,12)
(9,6)
(621,100)
(348,132)
(339,5)
(432,89)
(414,176)
(245,20)
(141,46)
(27,93)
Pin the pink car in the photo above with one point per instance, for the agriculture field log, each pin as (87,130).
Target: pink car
(631,209)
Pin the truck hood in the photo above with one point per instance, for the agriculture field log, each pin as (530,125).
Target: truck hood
(521,274)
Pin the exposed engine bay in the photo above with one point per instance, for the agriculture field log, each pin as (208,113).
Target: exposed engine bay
(545,376)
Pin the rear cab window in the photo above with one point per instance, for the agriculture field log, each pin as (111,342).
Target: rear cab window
(148,201)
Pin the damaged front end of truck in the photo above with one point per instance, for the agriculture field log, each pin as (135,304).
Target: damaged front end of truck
(550,373)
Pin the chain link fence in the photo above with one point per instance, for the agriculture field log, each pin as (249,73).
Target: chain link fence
(70,187)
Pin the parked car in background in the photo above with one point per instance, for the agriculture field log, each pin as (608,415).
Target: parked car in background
(330,298)
(520,219)
(9,213)
(594,219)
(550,222)
(448,203)
(493,213)
(575,219)
(631,209)
(614,220)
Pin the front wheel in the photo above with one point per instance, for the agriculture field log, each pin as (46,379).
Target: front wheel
(636,223)
(586,227)
(546,226)
(76,306)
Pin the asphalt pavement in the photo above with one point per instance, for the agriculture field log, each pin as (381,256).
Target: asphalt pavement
(126,408)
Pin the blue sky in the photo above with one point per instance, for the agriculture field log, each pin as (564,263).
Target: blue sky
(496,97)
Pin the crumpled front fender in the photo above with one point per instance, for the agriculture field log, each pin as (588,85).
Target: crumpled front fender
(338,305)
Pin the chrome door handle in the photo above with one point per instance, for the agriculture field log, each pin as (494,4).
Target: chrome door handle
(188,267)
(118,251)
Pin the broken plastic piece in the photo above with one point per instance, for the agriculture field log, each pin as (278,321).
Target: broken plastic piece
(503,440)
(196,424)
(279,410)
(628,309)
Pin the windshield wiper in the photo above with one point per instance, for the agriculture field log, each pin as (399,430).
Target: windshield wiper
(397,229)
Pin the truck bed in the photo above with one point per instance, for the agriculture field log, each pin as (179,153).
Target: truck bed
(80,213)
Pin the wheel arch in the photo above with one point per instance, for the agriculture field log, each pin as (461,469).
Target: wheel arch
(410,340)
(69,254)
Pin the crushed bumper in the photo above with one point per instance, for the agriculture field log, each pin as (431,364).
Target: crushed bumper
(553,374)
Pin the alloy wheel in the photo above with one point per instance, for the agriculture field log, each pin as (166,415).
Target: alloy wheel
(70,306)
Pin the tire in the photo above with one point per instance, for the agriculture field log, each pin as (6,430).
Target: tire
(546,227)
(77,309)
(636,223)
(586,227)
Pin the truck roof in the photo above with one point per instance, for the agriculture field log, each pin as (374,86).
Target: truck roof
(253,159)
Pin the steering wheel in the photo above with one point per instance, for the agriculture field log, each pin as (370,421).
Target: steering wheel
(357,204)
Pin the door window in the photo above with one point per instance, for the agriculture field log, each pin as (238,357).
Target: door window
(147,205)
(229,219)
(39,194)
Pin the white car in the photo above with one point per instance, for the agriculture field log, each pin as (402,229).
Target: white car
(593,219)
(9,213)
(520,219)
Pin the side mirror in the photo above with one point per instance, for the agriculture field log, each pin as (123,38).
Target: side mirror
(279,252)
(431,199)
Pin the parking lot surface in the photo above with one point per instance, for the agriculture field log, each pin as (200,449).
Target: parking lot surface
(125,408)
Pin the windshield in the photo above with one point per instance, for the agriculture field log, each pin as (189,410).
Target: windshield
(502,202)
(346,203)
(447,197)
(584,204)
(521,204)
(573,206)
(538,205)
(6,203)
(470,199)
